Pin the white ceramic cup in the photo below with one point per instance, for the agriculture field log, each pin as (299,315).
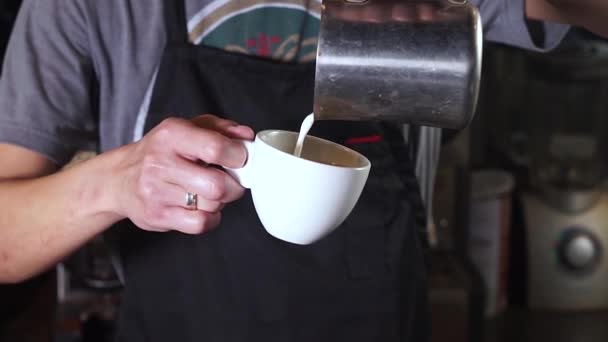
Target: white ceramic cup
(301,200)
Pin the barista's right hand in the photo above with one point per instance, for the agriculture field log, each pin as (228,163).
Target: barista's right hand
(153,178)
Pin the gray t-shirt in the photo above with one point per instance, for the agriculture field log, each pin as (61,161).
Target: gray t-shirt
(78,74)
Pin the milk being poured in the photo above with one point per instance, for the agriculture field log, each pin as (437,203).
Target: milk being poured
(306,125)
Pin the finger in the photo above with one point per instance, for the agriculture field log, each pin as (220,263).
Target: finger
(404,12)
(426,12)
(176,196)
(208,183)
(194,143)
(210,206)
(186,221)
(227,127)
(240,132)
(375,14)
(350,13)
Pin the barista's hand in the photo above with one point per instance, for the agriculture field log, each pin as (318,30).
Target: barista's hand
(385,12)
(589,14)
(171,160)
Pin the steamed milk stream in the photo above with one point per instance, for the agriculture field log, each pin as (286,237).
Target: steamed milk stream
(306,125)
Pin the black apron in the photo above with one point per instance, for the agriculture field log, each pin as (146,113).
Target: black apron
(363,282)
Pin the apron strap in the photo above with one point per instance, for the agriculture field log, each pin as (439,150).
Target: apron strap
(175,21)
(405,155)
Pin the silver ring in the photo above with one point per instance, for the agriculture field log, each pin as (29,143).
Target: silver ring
(191,201)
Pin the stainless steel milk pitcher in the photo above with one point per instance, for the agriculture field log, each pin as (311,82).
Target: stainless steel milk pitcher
(416,62)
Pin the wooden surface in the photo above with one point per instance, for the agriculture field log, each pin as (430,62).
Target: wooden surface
(27,310)
(454,297)
(521,325)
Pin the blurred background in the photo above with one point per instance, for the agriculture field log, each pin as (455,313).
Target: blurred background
(520,215)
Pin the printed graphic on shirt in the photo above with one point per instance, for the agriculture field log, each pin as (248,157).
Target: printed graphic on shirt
(284,30)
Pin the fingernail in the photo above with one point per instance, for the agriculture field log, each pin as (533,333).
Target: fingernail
(236,126)
(234,154)
(241,130)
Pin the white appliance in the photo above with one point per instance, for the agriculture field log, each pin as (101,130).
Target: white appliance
(566,252)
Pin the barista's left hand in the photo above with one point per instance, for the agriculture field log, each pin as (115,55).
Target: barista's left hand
(403,11)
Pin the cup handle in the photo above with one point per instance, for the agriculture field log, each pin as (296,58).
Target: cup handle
(244,174)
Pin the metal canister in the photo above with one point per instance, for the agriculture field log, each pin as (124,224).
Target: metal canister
(415,62)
